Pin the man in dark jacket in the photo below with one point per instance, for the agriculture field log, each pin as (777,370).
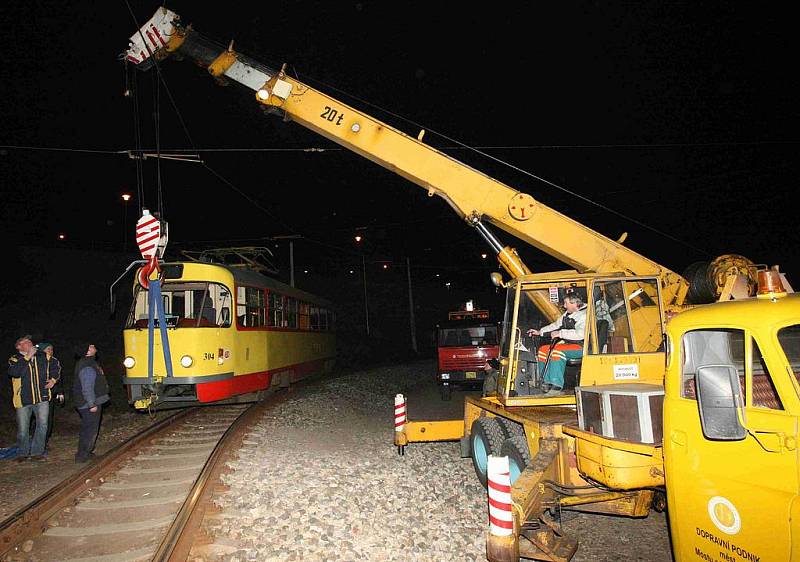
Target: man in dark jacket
(57,392)
(90,392)
(33,376)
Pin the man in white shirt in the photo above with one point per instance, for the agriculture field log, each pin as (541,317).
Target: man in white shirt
(569,327)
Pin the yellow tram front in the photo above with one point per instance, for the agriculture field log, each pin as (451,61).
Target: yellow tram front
(232,333)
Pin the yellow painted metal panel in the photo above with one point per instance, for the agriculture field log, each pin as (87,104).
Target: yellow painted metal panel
(733,499)
(616,463)
(446,430)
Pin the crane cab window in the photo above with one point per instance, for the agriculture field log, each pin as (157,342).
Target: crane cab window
(728,347)
(627,317)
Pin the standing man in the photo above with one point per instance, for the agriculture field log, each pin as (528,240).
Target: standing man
(57,392)
(33,377)
(90,392)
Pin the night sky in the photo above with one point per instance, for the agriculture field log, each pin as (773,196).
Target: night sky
(681,118)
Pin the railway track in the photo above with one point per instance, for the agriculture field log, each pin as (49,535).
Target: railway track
(144,500)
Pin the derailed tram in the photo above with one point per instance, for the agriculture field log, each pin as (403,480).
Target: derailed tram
(233,333)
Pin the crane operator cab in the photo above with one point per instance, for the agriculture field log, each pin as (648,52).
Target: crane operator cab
(561,332)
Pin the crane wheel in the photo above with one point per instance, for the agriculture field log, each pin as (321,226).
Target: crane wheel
(519,456)
(660,501)
(510,427)
(486,438)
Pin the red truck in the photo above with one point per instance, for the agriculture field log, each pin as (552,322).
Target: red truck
(465,344)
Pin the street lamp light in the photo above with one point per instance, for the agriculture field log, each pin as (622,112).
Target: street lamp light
(125,198)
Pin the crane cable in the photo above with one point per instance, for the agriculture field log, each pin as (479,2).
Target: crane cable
(157,132)
(156,118)
(189,136)
(131,91)
(518,169)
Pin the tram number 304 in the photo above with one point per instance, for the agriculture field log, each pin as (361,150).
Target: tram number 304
(332,115)
(208,356)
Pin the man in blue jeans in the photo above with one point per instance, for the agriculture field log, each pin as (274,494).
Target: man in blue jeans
(32,378)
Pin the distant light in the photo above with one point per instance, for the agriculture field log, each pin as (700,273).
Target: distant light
(447,284)
(437,275)
(358,238)
(484,256)
(305,271)
(62,236)
(385,266)
(351,271)
(126,197)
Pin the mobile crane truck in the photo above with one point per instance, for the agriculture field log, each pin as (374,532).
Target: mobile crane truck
(702,410)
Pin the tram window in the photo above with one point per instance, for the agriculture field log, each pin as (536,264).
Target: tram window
(304,322)
(188,305)
(291,312)
(178,304)
(251,309)
(314,318)
(276,312)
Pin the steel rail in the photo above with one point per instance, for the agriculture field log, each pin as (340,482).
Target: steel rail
(30,520)
(179,538)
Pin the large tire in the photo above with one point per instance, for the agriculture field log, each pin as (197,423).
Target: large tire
(516,449)
(510,427)
(486,438)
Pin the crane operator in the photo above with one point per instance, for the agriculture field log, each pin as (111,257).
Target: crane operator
(566,335)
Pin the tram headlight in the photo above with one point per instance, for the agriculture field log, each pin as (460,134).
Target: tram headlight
(129,362)
(186,361)
(220,360)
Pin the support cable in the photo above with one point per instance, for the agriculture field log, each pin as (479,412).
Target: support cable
(186,129)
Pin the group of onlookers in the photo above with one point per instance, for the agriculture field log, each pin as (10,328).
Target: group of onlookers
(37,384)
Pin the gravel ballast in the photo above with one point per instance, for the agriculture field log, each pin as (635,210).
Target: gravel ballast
(319,479)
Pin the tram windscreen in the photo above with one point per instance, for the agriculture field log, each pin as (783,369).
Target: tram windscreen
(186,305)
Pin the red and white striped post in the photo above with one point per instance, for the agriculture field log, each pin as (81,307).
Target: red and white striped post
(400,423)
(148,234)
(501,544)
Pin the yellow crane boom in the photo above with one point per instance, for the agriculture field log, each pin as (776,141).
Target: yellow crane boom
(472,194)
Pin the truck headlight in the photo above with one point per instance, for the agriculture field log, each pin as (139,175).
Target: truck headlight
(186,361)
(129,362)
